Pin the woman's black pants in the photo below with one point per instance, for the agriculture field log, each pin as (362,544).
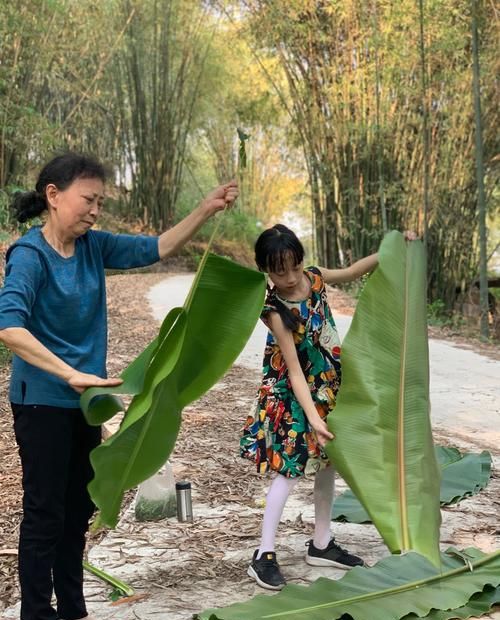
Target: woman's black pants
(54,446)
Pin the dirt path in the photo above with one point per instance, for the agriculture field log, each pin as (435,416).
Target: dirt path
(178,569)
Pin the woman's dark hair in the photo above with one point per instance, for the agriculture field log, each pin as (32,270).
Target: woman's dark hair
(273,247)
(61,171)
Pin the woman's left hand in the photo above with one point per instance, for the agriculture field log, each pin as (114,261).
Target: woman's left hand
(80,381)
(221,197)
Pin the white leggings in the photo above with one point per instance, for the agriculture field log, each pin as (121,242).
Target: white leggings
(280,489)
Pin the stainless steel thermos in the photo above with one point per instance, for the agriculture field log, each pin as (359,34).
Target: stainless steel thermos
(184,503)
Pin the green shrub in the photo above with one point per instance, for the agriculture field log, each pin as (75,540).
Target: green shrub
(437,313)
(439,316)
(6,220)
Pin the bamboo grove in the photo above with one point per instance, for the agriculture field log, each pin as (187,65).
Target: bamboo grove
(373,120)
(360,110)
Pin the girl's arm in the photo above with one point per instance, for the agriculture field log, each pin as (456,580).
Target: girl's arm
(284,338)
(21,342)
(172,240)
(359,268)
(348,274)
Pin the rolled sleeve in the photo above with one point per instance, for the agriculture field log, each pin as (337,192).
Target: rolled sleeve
(23,277)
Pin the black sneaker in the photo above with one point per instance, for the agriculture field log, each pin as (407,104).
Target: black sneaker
(266,571)
(333,555)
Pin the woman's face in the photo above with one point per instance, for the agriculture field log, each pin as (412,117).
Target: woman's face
(76,208)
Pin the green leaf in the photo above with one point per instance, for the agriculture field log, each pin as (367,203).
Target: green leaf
(461,475)
(348,508)
(395,587)
(383,442)
(120,589)
(196,345)
(478,605)
(242,137)
(465,477)
(446,455)
(147,433)
(99,404)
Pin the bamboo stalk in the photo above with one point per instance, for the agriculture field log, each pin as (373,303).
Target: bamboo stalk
(483,267)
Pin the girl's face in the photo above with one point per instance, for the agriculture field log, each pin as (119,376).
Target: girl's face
(289,277)
(76,208)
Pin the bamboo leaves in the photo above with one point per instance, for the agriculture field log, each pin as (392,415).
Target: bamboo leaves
(383,446)
(196,345)
(395,587)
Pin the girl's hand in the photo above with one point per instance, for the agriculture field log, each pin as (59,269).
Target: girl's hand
(410,235)
(80,381)
(321,429)
(221,197)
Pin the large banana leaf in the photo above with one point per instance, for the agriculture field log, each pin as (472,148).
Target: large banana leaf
(395,587)
(383,444)
(101,404)
(348,508)
(462,475)
(196,345)
(479,604)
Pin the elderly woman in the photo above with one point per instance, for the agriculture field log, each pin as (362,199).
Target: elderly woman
(53,318)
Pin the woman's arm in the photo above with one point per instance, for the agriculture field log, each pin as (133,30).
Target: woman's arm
(348,274)
(21,342)
(172,240)
(284,338)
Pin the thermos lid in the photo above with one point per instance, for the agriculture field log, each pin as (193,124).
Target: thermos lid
(182,485)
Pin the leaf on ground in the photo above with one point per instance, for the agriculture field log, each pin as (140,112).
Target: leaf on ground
(394,588)
(462,475)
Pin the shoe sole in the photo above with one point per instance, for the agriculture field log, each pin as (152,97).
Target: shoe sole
(263,584)
(312,561)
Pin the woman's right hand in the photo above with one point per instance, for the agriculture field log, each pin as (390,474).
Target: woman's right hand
(320,427)
(80,381)
(220,198)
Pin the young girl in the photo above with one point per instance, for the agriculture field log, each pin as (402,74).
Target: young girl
(301,378)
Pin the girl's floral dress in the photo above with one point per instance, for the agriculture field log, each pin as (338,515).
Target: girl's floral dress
(277,434)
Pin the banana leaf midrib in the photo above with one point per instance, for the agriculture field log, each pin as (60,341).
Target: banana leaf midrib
(204,258)
(123,588)
(391,591)
(403,508)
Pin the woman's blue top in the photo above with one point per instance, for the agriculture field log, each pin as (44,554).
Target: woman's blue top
(62,302)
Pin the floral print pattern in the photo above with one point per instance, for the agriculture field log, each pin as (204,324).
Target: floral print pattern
(277,435)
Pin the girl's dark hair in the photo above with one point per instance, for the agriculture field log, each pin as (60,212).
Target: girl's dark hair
(272,249)
(275,245)
(61,171)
